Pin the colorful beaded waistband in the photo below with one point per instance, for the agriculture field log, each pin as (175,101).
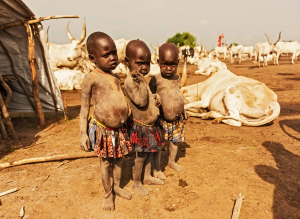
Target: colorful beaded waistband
(139,122)
(100,124)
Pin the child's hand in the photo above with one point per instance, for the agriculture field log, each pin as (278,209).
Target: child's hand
(157,100)
(85,143)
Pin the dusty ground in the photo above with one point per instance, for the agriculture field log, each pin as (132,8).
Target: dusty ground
(219,162)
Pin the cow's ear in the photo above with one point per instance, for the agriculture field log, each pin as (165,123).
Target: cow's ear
(83,45)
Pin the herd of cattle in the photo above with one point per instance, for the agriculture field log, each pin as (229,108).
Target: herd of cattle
(234,100)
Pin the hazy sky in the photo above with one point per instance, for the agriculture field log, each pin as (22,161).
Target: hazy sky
(156,20)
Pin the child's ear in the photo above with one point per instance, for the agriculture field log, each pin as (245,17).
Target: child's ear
(92,58)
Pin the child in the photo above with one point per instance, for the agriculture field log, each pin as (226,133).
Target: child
(167,85)
(106,134)
(146,136)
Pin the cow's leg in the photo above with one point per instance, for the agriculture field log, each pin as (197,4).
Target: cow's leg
(293,56)
(250,55)
(173,148)
(266,60)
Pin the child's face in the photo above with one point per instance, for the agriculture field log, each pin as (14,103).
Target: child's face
(168,63)
(139,61)
(105,55)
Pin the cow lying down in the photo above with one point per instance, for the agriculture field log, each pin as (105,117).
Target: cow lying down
(207,66)
(69,79)
(234,100)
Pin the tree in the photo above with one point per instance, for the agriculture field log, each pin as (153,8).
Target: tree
(234,44)
(184,38)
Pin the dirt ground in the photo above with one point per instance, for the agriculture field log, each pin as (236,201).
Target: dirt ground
(219,162)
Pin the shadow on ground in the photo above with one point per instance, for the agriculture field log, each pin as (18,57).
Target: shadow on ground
(285,178)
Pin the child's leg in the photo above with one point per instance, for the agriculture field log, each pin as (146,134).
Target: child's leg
(148,179)
(156,164)
(173,148)
(137,174)
(117,173)
(108,200)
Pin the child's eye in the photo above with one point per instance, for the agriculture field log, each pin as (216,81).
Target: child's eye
(106,55)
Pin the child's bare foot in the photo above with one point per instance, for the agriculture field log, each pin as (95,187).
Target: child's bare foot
(175,166)
(153,181)
(108,203)
(159,175)
(122,193)
(139,189)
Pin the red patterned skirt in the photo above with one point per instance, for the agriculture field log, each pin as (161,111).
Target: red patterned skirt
(145,138)
(108,143)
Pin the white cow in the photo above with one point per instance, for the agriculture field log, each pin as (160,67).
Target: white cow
(66,54)
(208,65)
(287,48)
(232,99)
(263,49)
(69,79)
(249,51)
(236,51)
(221,50)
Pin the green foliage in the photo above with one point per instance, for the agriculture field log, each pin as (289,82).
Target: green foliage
(184,38)
(234,44)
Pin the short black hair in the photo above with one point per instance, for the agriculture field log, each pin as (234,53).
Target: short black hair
(93,37)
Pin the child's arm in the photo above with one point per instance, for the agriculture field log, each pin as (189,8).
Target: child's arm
(136,88)
(84,112)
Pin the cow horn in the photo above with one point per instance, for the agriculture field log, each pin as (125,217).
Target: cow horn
(46,39)
(83,34)
(278,38)
(152,46)
(68,32)
(268,39)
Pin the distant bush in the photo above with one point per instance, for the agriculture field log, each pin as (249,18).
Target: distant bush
(287,40)
(184,38)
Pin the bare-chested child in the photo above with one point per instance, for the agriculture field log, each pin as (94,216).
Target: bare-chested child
(104,132)
(146,135)
(167,85)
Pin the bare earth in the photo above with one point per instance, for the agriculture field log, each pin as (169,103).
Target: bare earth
(219,162)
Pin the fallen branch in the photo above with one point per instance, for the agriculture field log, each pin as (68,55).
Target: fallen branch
(45,130)
(8,192)
(237,207)
(47,159)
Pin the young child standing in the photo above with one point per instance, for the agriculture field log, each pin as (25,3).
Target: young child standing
(146,135)
(167,85)
(104,132)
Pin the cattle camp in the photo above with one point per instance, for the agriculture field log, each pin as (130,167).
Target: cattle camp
(149,109)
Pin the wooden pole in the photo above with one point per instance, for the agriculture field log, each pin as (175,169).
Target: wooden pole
(17,76)
(20,23)
(237,207)
(35,89)
(66,108)
(47,70)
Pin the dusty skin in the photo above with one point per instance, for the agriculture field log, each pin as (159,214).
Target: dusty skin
(110,108)
(143,107)
(167,86)
(218,161)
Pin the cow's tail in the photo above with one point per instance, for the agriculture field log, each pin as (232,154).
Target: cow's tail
(272,115)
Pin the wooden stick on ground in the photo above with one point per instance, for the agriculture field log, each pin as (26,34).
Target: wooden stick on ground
(47,159)
(9,191)
(237,207)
